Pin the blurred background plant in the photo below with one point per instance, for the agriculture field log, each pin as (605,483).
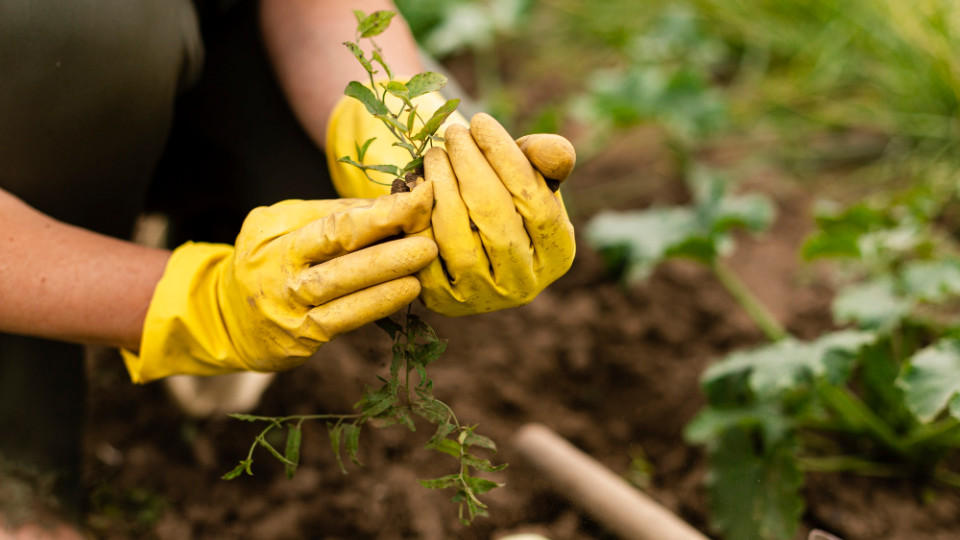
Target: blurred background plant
(856,102)
(866,90)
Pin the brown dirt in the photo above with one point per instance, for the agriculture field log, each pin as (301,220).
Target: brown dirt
(613,369)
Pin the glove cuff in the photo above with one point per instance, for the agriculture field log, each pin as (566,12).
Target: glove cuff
(184,332)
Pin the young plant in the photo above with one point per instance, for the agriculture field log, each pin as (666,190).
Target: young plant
(408,127)
(408,392)
(878,396)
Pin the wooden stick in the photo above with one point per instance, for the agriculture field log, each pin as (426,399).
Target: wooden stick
(597,490)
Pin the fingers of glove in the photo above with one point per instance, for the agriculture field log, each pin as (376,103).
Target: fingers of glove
(490,205)
(358,227)
(533,199)
(269,222)
(460,247)
(350,312)
(361,269)
(550,154)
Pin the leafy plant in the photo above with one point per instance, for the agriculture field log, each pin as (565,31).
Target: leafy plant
(408,392)
(412,132)
(877,396)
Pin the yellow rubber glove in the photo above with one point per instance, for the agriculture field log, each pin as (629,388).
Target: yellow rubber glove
(302,273)
(503,234)
(351,125)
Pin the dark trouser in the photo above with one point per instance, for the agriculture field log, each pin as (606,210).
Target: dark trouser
(101,118)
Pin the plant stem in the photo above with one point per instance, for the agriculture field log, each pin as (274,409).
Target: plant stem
(859,417)
(758,312)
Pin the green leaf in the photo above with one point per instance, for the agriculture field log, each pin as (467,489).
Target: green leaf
(292,451)
(398,89)
(406,146)
(481,464)
(362,150)
(780,367)
(357,53)
(931,380)
(374,24)
(932,281)
(712,422)
(439,116)
(360,15)
(424,83)
(379,59)
(443,429)
(336,436)
(376,402)
(351,436)
(481,485)
(413,165)
(431,410)
(388,169)
(391,327)
(411,120)
(448,446)
(443,482)
(840,230)
(643,237)
(874,304)
(754,490)
(242,467)
(366,96)
(479,440)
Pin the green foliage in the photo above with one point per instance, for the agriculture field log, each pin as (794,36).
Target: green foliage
(665,76)
(401,122)
(637,241)
(931,381)
(880,398)
(445,27)
(407,393)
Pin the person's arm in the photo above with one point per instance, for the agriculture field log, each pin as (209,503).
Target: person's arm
(61,282)
(304,39)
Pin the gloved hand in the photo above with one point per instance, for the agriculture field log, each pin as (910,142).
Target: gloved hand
(503,234)
(301,274)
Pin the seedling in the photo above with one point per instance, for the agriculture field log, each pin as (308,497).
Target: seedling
(408,392)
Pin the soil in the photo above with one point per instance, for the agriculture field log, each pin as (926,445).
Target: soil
(613,369)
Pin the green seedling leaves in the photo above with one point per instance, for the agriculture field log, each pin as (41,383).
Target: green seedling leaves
(366,96)
(357,52)
(242,467)
(931,380)
(754,488)
(424,83)
(388,169)
(640,240)
(379,59)
(874,304)
(780,367)
(840,230)
(374,24)
(932,281)
(292,451)
(433,124)
(351,438)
